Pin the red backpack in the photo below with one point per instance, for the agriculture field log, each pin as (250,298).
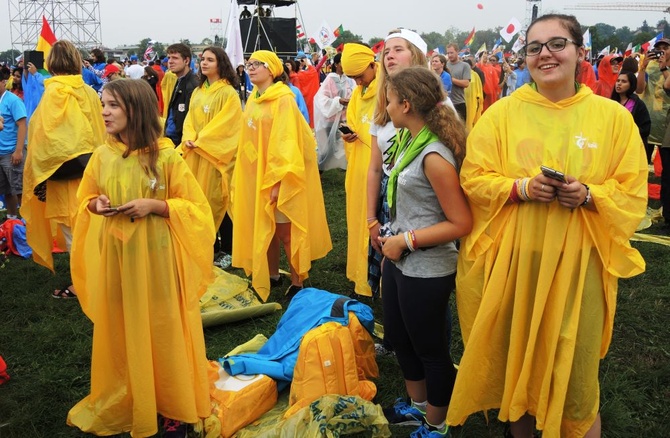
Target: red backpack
(6,240)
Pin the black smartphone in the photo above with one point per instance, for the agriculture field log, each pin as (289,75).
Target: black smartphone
(553,174)
(344,129)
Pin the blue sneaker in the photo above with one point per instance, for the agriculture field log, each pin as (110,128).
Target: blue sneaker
(424,432)
(403,414)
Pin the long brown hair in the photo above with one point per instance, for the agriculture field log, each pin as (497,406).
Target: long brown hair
(418,59)
(143,128)
(422,88)
(223,65)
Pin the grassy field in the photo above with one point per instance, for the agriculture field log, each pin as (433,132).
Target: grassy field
(47,344)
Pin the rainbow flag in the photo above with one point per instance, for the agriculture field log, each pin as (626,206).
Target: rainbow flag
(470,37)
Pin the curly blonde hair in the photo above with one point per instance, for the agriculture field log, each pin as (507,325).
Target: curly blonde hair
(418,59)
(423,90)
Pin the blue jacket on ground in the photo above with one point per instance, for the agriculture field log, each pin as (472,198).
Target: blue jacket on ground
(309,308)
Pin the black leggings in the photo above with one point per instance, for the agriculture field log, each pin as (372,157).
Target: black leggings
(415,324)
(224,239)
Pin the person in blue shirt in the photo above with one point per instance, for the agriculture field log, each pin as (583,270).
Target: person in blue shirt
(522,73)
(33,88)
(439,65)
(13,132)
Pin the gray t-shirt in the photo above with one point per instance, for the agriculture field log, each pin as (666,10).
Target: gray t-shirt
(417,207)
(460,70)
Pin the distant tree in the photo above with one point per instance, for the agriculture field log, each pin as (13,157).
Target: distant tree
(159,48)
(206,42)
(9,56)
(434,40)
(218,41)
(663,26)
(347,37)
(645,27)
(185,41)
(374,40)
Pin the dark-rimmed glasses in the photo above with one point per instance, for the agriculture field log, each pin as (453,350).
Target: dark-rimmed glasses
(553,45)
(254,65)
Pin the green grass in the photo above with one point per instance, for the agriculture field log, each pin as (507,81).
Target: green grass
(47,344)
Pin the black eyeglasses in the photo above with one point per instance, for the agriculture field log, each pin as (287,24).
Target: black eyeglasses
(553,45)
(254,65)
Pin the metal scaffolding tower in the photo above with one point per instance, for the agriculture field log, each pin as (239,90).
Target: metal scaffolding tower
(623,6)
(76,20)
(533,10)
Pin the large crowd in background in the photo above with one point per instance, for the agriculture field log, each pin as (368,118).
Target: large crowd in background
(515,181)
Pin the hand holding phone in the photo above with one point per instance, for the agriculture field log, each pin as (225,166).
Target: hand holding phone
(553,174)
(344,129)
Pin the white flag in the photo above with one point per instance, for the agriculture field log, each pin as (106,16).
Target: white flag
(512,28)
(587,40)
(324,36)
(234,48)
(605,51)
(518,45)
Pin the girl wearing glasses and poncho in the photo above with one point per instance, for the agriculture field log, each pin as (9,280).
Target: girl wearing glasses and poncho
(537,277)
(276,187)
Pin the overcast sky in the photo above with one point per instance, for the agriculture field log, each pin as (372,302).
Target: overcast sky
(167,21)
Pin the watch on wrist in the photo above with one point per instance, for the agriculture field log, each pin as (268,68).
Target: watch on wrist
(588,194)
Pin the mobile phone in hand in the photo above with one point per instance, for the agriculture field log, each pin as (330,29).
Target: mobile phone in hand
(344,129)
(553,174)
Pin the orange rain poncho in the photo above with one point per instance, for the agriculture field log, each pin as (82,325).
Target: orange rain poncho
(276,145)
(67,123)
(213,123)
(139,283)
(537,283)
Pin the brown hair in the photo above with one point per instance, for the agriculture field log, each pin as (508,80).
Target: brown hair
(381,117)
(64,59)
(423,90)
(223,65)
(569,23)
(181,49)
(143,128)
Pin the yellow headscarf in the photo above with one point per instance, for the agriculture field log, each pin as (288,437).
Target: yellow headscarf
(356,58)
(275,66)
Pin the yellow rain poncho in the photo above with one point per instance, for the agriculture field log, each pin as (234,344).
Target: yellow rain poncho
(474,101)
(167,88)
(213,123)
(276,145)
(139,283)
(360,114)
(67,123)
(537,283)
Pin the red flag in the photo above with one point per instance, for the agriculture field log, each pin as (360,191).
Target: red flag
(378,47)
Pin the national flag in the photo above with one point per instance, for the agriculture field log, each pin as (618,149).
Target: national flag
(378,47)
(337,32)
(324,36)
(605,51)
(299,32)
(149,53)
(650,44)
(497,45)
(512,28)
(587,40)
(470,37)
(636,49)
(234,48)
(629,50)
(481,49)
(519,43)
(46,39)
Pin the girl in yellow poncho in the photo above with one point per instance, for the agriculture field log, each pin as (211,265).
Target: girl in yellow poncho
(65,125)
(537,277)
(358,62)
(211,132)
(140,278)
(276,187)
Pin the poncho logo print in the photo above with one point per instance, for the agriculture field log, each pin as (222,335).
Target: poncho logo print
(582,141)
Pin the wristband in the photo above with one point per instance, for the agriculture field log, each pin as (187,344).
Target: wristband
(588,194)
(372,224)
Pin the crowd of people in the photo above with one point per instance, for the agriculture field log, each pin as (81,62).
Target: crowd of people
(486,177)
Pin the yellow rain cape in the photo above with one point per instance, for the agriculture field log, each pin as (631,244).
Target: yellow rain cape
(67,123)
(213,123)
(276,145)
(474,101)
(360,114)
(537,283)
(139,282)
(167,88)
